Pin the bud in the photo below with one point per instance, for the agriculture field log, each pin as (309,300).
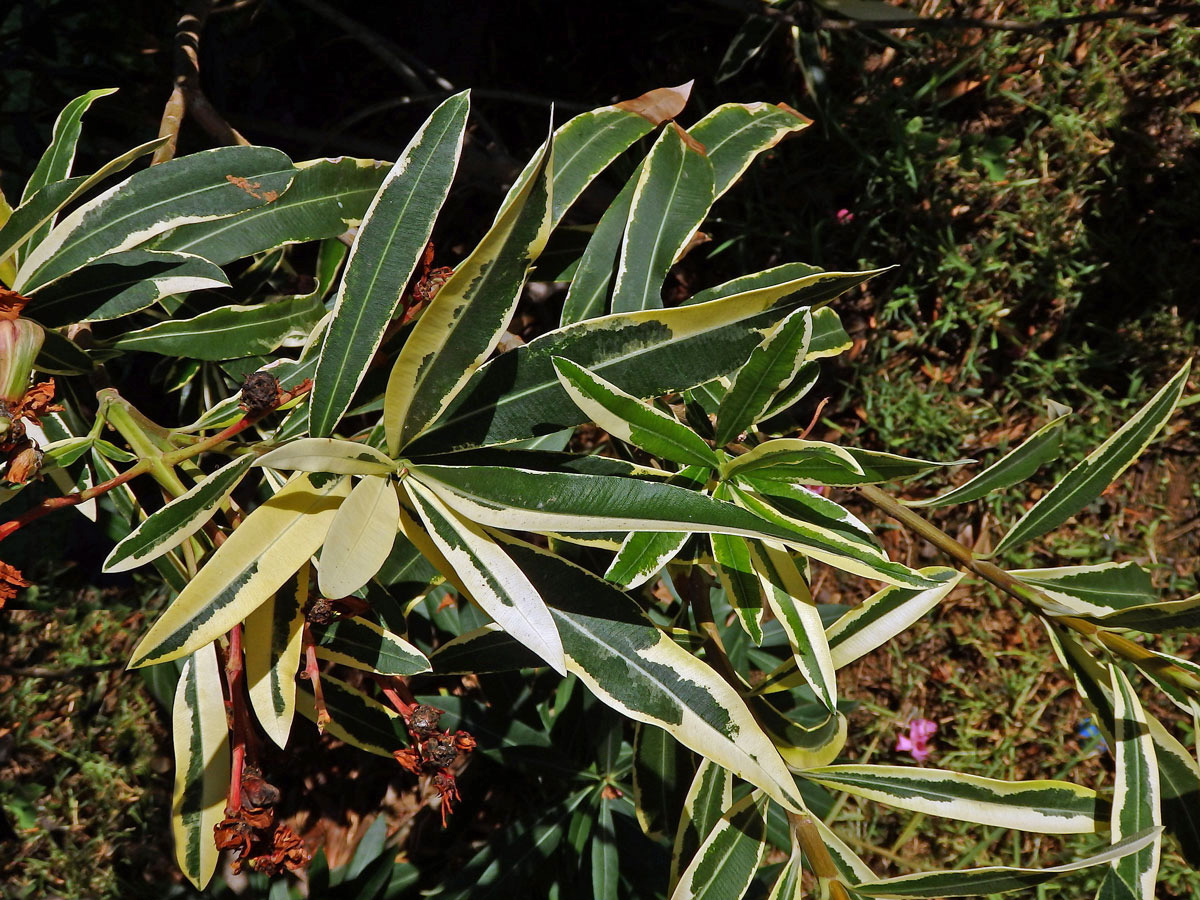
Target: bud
(20,342)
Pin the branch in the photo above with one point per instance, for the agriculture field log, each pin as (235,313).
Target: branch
(187,95)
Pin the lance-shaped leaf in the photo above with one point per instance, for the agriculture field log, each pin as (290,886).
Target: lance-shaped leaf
(1137,799)
(123,283)
(41,208)
(1178,771)
(201,739)
(847,862)
(495,582)
(776,457)
(1051,807)
(673,193)
(229,332)
(735,133)
(326,197)
(361,644)
(1093,590)
(272,647)
(647,354)
(631,420)
(708,796)
(389,243)
(587,297)
(174,523)
(355,718)
(1012,468)
(791,601)
(801,504)
(55,164)
(884,615)
(270,544)
(206,185)
(661,766)
(632,666)
(1089,478)
(360,537)
(605,860)
(731,558)
(642,555)
(724,866)
(809,745)
(481,650)
(772,366)
(787,884)
(329,455)
(564,502)
(464,322)
(995,879)
(1154,618)
(799,387)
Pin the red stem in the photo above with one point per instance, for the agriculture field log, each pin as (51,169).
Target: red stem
(235,675)
(314,675)
(393,688)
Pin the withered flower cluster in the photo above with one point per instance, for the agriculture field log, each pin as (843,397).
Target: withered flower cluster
(433,753)
(250,830)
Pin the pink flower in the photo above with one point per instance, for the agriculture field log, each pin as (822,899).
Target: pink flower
(843,217)
(916,741)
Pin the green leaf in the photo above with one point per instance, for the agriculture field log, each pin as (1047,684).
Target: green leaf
(1096,590)
(482,650)
(1137,796)
(206,185)
(632,666)
(41,208)
(724,866)
(326,197)
(646,354)
(804,505)
(463,324)
(122,283)
(201,739)
(606,866)
(851,868)
(253,563)
(355,718)
(55,164)
(60,356)
(1050,807)
(360,537)
(631,420)
(673,193)
(788,884)
(174,523)
(1089,478)
(565,502)
(587,297)
(772,366)
(389,244)
(804,382)
(660,769)
(229,332)
(710,794)
(1012,468)
(994,879)
(1154,618)
(731,557)
(496,583)
(783,457)
(328,455)
(272,648)
(361,644)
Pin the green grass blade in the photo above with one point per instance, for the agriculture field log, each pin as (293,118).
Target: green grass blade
(1089,478)
(390,242)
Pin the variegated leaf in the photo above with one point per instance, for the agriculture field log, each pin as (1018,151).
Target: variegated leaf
(710,794)
(174,523)
(1137,797)
(272,649)
(270,544)
(361,644)
(1050,807)
(1085,481)
(360,537)
(661,766)
(724,866)
(201,739)
(389,243)
(355,718)
(329,455)
(463,324)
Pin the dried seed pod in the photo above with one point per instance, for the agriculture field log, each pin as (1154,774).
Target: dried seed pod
(424,721)
(260,392)
(440,751)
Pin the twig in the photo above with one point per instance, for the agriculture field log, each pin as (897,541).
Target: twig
(187,95)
